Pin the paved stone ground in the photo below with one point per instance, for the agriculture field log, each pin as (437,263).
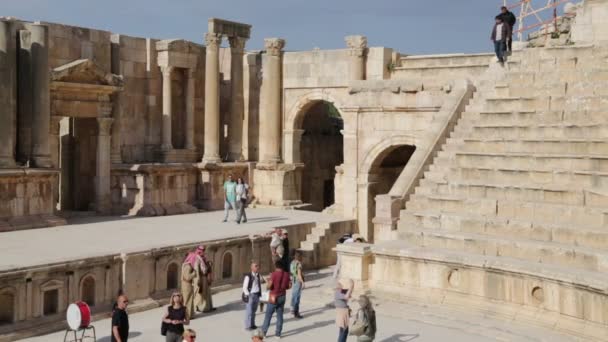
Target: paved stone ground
(97,236)
(396,322)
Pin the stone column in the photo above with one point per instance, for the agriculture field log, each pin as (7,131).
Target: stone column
(190,109)
(7,157)
(211,153)
(103,202)
(117,102)
(166,143)
(41,99)
(235,128)
(358,51)
(270,98)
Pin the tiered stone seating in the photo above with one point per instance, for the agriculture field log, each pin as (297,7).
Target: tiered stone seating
(520,191)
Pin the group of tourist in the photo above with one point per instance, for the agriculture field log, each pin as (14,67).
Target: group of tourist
(195,296)
(236,196)
(502,34)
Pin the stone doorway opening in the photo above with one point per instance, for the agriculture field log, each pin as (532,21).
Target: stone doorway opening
(321,150)
(383,174)
(78,164)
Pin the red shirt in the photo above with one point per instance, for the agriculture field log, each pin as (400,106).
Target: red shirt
(280,282)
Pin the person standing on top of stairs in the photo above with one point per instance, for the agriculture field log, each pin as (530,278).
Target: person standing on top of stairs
(508,18)
(500,33)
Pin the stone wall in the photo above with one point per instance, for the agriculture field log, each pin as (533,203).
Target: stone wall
(27,199)
(147,277)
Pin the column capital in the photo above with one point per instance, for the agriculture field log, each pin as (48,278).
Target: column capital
(274,46)
(237,44)
(105,125)
(166,70)
(213,40)
(357,45)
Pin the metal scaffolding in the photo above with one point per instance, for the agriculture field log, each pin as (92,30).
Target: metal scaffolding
(541,14)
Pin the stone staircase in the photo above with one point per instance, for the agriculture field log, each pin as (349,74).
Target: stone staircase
(318,247)
(520,191)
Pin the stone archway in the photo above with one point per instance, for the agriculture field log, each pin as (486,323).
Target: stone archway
(294,118)
(87,290)
(321,149)
(377,175)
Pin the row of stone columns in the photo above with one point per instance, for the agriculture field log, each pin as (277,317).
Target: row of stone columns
(211,154)
(33,67)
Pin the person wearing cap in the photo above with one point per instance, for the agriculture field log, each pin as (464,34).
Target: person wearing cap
(257,335)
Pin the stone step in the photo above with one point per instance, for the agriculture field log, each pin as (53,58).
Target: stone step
(539,231)
(523,210)
(542,117)
(527,161)
(521,192)
(581,87)
(542,103)
(568,179)
(503,264)
(541,131)
(533,146)
(533,251)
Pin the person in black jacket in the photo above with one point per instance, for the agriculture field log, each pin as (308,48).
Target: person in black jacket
(508,18)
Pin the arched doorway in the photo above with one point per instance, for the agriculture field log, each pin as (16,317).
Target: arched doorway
(321,150)
(383,174)
(172,276)
(227,266)
(87,290)
(7,307)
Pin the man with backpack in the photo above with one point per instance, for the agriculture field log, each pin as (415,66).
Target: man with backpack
(252,290)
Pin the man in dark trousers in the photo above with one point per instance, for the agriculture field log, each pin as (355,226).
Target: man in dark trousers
(120,320)
(508,18)
(499,37)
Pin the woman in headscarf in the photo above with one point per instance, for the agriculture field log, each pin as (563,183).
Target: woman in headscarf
(365,319)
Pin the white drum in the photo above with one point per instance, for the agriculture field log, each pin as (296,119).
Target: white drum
(78,315)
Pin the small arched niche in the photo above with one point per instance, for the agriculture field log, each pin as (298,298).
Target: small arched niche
(227,266)
(7,306)
(87,290)
(172,276)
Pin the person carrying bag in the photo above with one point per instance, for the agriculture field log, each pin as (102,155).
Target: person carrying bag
(279,283)
(364,326)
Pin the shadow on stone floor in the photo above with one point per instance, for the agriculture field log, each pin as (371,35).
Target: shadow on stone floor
(132,334)
(266,219)
(401,338)
(315,325)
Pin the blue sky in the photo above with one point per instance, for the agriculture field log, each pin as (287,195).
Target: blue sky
(413,27)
